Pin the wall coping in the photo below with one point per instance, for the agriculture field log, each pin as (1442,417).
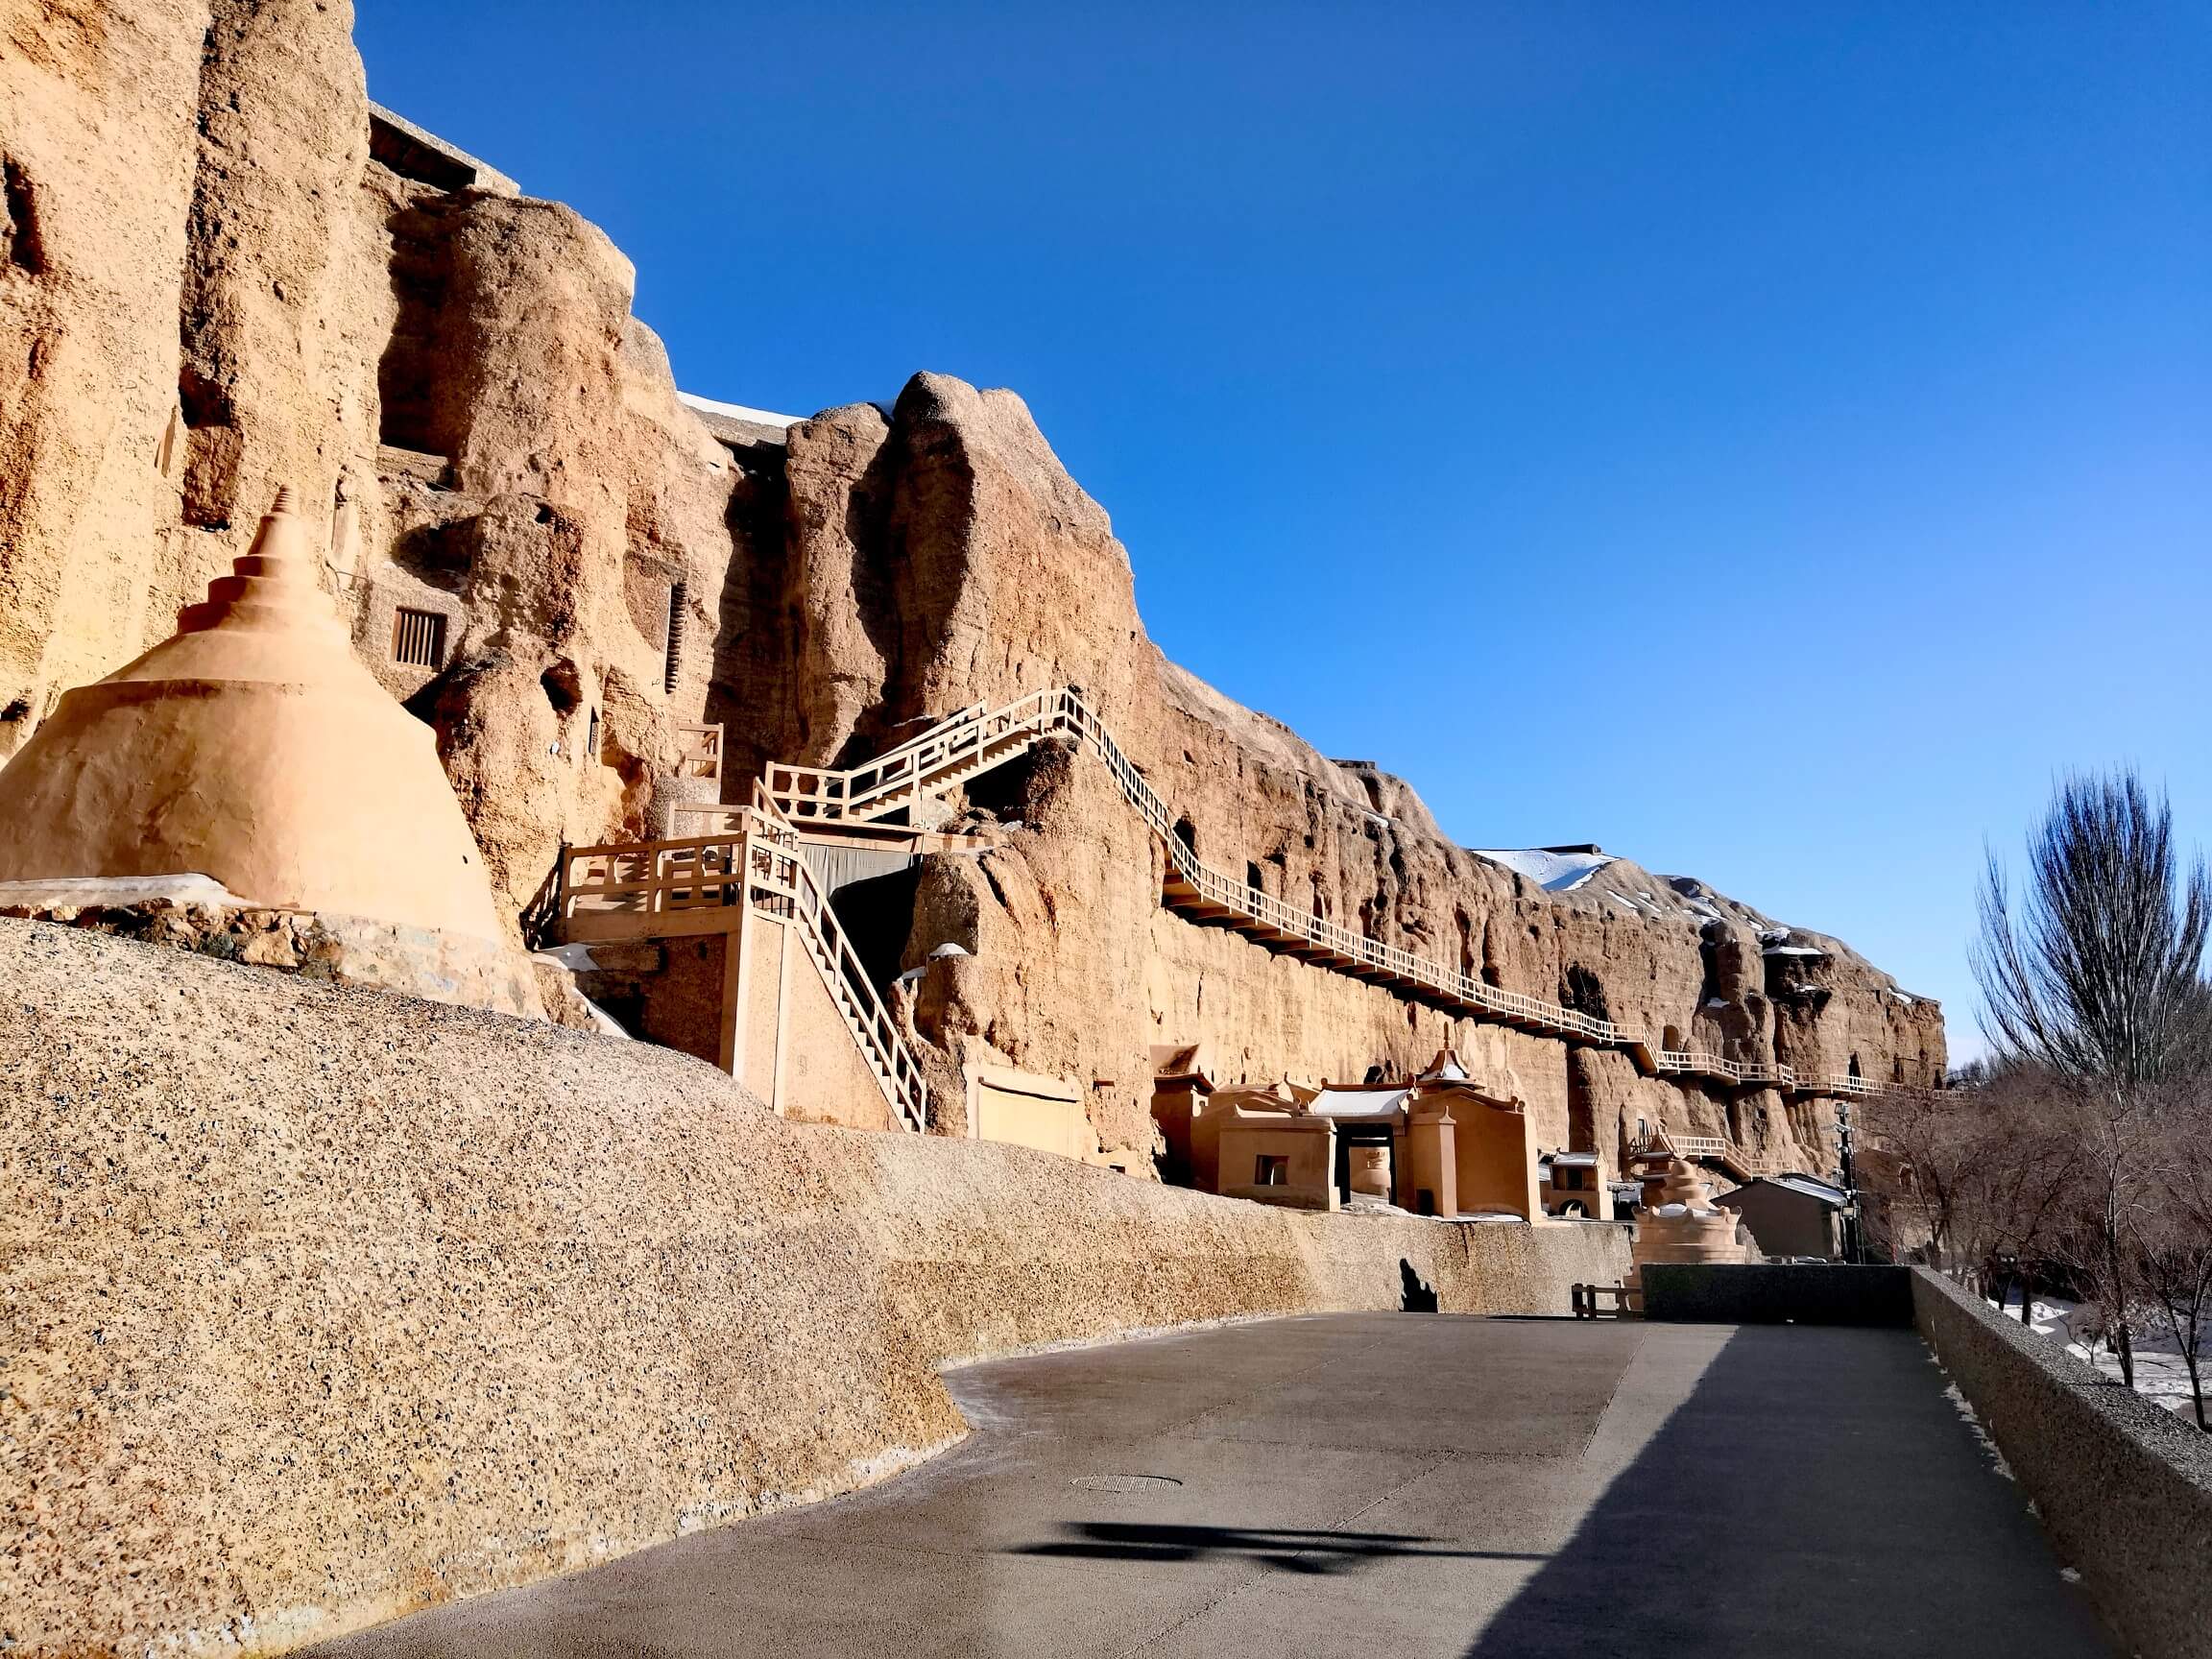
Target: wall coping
(2123,1487)
(2153,1428)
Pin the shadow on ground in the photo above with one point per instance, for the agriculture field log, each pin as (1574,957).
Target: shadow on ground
(1291,1550)
(1816,1493)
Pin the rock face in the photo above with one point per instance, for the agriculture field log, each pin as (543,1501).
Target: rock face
(208,276)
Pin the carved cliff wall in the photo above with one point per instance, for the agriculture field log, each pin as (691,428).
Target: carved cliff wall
(212,280)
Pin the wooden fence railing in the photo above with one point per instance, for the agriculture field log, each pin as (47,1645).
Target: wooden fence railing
(759,865)
(976,738)
(790,800)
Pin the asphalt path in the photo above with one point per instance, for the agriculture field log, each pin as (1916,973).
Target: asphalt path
(1378,1485)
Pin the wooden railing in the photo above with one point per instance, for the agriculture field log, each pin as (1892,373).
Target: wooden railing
(759,865)
(686,873)
(897,777)
(1701,1063)
(699,751)
(1758,1073)
(646,878)
(977,737)
(788,884)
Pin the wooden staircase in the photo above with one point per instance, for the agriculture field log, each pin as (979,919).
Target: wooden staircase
(704,883)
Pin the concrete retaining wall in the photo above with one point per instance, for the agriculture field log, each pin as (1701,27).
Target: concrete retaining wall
(1803,1294)
(318,1306)
(2124,1488)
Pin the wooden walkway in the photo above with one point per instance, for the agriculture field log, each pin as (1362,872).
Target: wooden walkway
(620,887)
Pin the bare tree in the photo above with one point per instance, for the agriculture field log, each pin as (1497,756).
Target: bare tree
(2027,1175)
(2173,1235)
(2096,975)
(2096,1228)
(1920,1156)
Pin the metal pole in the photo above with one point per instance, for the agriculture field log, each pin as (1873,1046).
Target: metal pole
(1853,1247)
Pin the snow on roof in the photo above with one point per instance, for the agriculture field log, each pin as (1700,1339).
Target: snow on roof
(1553,871)
(738,411)
(1571,1160)
(1357,1102)
(1803,1185)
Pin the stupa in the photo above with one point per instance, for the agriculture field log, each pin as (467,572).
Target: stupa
(252,747)
(1677,1219)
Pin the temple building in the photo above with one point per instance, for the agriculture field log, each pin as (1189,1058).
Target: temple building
(1438,1144)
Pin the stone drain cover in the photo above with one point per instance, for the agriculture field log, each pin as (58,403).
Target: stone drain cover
(1126,1482)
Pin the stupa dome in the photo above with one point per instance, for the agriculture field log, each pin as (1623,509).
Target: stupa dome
(253,747)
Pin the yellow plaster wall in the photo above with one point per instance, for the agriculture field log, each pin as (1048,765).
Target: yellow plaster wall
(1497,1165)
(1308,1180)
(1024,1110)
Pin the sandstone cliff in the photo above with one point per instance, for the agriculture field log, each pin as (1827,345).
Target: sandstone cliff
(212,278)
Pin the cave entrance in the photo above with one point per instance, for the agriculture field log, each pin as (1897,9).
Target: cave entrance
(1377,1175)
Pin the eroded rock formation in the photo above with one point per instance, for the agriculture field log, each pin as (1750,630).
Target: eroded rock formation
(212,278)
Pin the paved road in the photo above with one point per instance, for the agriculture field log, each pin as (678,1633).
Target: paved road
(1379,1485)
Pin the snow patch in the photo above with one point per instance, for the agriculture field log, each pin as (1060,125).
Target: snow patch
(1964,1410)
(1553,871)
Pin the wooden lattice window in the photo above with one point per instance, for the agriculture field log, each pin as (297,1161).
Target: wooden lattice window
(678,594)
(418,638)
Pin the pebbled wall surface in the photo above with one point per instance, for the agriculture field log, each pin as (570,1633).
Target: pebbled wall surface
(2123,1486)
(318,1306)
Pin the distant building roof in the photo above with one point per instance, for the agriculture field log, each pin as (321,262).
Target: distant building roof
(1183,1062)
(1446,1069)
(415,152)
(738,424)
(1571,1160)
(1804,1186)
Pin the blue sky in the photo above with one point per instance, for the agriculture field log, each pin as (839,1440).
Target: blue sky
(1769,440)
